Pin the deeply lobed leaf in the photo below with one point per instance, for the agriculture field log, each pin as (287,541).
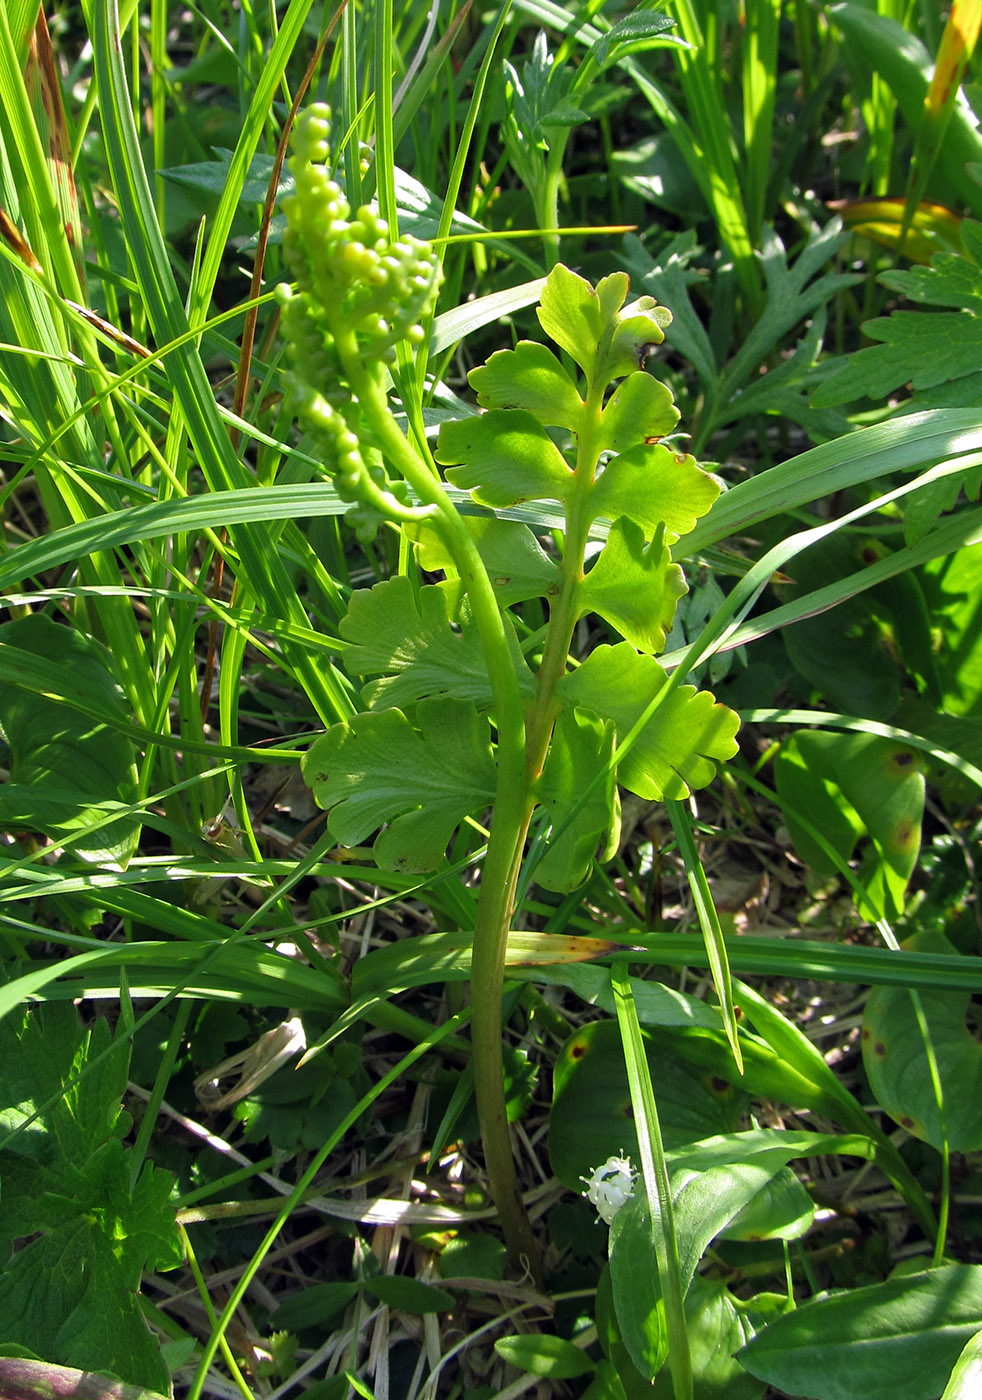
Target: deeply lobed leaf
(517,565)
(507,457)
(633,586)
(582,743)
(422,641)
(639,412)
(418,783)
(679,747)
(531,378)
(63,767)
(652,485)
(70,1294)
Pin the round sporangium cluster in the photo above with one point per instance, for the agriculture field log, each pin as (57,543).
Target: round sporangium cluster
(358,293)
(350,272)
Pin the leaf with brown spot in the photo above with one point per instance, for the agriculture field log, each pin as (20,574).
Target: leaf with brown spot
(44,90)
(897,1064)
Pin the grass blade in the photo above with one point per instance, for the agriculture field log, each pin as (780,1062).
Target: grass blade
(712,933)
(654,1171)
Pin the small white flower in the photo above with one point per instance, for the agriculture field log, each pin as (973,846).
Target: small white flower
(609,1186)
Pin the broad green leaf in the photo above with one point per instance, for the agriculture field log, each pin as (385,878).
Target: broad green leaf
(652,485)
(782,1210)
(846,652)
(634,33)
(704,1202)
(680,746)
(409,1295)
(896,1059)
(581,743)
(212,176)
(43,1053)
(517,565)
(768,1149)
(951,588)
(912,626)
(923,348)
(965,1381)
(716,1186)
(634,1277)
(70,1294)
(591,1116)
(544,1355)
(797,1055)
(62,766)
(473,1255)
(718,1326)
(639,411)
(420,783)
(619,1379)
(570,312)
(315,1306)
(608,1381)
(850,786)
(958,734)
(896,1340)
(633,586)
(530,378)
(423,638)
(769,1071)
(507,456)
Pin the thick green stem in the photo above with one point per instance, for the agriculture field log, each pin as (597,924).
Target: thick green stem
(546,198)
(564,613)
(512,811)
(503,862)
(494,913)
(522,748)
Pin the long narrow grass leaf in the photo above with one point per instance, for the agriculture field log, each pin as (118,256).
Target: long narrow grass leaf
(654,1172)
(712,933)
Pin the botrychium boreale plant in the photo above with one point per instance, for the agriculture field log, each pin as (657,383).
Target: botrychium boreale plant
(465,714)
